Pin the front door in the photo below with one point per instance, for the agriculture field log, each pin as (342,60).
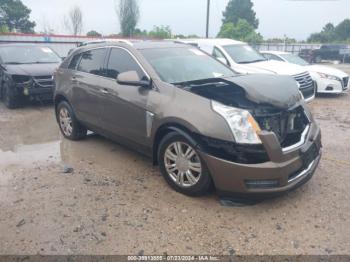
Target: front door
(125,107)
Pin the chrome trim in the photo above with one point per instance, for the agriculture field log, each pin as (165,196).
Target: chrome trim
(307,100)
(301,142)
(302,173)
(149,123)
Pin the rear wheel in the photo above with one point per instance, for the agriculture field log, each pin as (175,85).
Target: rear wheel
(69,125)
(318,59)
(10,100)
(182,167)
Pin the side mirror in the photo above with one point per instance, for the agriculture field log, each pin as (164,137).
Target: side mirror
(131,78)
(222,60)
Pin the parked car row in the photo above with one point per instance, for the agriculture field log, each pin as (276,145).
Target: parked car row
(327,79)
(244,59)
(204,124)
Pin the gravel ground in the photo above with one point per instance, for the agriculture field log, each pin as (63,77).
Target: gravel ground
(96,197)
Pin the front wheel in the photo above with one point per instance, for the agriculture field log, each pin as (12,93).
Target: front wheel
(318,59)
(182,167)
(69,125)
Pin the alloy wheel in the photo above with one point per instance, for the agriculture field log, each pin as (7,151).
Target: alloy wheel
(182,164)
(65,120)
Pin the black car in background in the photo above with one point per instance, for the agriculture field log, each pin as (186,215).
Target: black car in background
(26,72)
(329,52)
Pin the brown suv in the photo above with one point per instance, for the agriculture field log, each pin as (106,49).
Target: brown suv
(204,125)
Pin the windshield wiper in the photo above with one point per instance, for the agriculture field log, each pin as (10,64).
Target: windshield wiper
(13,63)
(203,81)
(253,61)
(42,62)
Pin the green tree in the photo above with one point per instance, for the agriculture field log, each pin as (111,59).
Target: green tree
(128,13)
(332,34)
(242,31)
(282,40)
(3,29)
(342,30)
(161,32)
(140,33)
(328,28)
(15,16)
(93,33)
(240,9)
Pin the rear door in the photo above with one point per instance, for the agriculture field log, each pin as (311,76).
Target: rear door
(124,106)
(86,88)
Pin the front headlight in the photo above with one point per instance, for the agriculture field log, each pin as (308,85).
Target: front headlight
(243,126)
(330,77)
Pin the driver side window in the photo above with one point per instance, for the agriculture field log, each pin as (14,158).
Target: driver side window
(218,54)
(273,57)
(121,61)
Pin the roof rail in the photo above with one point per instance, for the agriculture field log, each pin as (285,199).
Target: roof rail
(106,40)
(128,42)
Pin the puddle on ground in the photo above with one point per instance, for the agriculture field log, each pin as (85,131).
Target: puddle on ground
(28,155)
(94,150)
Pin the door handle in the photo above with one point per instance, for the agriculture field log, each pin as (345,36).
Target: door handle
(104,91)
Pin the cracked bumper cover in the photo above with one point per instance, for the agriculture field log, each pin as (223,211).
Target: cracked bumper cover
(29,90)
(285,171)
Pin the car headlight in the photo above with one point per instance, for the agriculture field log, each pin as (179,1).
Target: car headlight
(243,126)
(330,77)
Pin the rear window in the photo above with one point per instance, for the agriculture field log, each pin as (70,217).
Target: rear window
(74,62)
(92,61)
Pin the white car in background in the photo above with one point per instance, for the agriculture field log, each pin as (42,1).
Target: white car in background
(245,60)
(328,79)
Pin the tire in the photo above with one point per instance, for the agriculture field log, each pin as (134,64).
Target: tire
(198,181)
(318,59)
(69,125)
(11,101)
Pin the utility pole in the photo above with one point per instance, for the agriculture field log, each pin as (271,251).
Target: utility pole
(208,15)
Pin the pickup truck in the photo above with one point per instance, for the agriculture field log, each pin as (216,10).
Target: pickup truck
(330,52)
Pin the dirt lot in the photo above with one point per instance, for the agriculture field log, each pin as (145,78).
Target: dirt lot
(115,202)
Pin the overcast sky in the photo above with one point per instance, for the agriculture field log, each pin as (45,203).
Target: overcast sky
(295,18)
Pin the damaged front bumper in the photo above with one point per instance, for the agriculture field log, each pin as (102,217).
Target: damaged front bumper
(285,170)
(32,90)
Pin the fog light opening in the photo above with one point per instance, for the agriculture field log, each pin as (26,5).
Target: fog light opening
(261,184)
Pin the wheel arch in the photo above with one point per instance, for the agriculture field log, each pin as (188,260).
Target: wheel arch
(165,129)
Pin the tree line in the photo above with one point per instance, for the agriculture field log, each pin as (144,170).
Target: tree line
(239,22)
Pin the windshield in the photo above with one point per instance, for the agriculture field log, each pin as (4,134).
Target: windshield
(178,65)
(290,58)
(27,55)
(243,54)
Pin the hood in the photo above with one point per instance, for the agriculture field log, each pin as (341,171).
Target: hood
(326,70)
(276,67)
(32,69)
(246,91)
(279,91)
